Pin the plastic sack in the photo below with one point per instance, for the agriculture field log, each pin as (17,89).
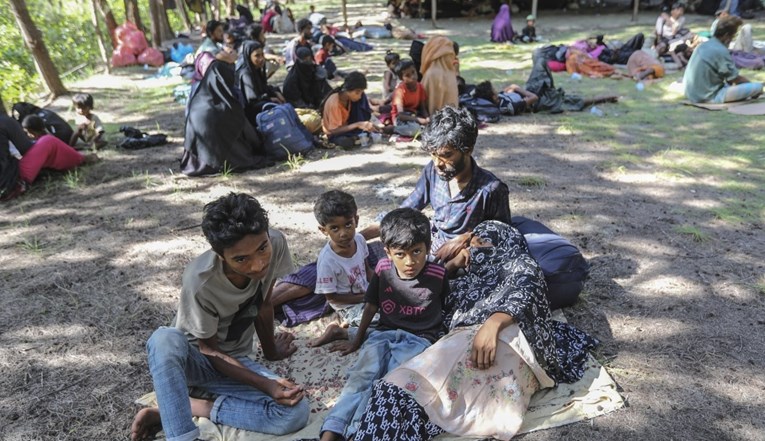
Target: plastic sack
(123,56)
(152,57)
(136,41)
(123,30)
(179,52)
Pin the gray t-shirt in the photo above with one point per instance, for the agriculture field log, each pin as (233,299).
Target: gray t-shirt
(211,305)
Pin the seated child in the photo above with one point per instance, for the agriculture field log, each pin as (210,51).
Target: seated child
(513,100)
(346,112)
(529,33)
(88,126)
(408,291)
(47,152)
(323,55)
(341,268)
(410,102)
(390,79)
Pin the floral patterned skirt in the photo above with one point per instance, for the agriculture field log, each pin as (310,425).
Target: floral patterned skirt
(466,401)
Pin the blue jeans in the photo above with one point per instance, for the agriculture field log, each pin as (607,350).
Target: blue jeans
(382,352)
(175,365)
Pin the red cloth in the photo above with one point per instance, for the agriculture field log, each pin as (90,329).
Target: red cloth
(48,152)
(411,100)
(556,66)
(321,56)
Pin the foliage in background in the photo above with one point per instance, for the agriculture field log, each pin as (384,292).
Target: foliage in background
(68,33)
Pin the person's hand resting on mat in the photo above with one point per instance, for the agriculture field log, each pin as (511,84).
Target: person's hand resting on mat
(285,346)
(345,347)
(285,392)
(484,350)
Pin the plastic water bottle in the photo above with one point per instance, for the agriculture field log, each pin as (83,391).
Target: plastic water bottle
(576,76)
(145,67)
(597,112)
(364,139)
(640,86)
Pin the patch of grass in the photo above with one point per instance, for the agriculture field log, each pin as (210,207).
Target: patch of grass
(293,162)
(532,181)
(73,179)
(227,170)
(760,285)
(693,232)
(32,244)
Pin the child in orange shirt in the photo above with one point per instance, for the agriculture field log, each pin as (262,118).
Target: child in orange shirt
(346,112)
(409,109)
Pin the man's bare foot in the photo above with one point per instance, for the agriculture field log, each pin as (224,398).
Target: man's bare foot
(146,424)
(332,333)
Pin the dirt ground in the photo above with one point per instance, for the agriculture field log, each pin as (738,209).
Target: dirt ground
(91,265)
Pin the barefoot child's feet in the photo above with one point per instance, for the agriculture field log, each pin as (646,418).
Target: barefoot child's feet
(332,333)
(146,424)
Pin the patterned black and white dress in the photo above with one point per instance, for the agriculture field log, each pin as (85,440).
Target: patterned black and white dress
(502,278)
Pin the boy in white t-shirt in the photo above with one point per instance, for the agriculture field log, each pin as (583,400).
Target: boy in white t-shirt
(342,273)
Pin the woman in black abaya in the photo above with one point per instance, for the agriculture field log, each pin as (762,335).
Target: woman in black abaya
(252,80)
(218,135)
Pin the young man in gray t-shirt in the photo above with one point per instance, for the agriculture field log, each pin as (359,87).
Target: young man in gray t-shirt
(225,301)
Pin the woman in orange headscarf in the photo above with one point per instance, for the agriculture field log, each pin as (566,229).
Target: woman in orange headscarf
(439,73)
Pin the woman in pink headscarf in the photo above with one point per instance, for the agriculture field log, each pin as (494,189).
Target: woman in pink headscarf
(502,28)
(439,73)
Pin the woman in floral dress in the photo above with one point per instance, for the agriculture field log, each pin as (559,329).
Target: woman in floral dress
(502,346)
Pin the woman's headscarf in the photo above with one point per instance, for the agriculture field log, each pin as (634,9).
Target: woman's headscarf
(502,27)
(505,278)
(252,80)
(436,48)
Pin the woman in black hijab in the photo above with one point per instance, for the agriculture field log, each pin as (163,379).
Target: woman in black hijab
(305,86)
(218,135)
(252,80)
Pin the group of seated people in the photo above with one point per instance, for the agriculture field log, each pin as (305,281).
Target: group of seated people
(429,300)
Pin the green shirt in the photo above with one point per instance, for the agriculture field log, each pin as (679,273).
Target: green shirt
(709,70)
(208,46)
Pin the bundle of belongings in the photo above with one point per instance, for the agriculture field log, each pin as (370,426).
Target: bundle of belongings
(136,139)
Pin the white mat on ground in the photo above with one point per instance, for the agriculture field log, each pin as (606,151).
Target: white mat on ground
(322,374)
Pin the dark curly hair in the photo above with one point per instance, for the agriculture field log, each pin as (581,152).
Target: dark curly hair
(405,228)
(484,90)
(230,218)
(334,203)
(451,127)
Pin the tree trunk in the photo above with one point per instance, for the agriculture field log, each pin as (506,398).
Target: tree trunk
(3,112)
(34,42)
(215,8)
(156,32)
(231,7)
(181,5)
(99,36)
(164,23)
(344,6)
(111,22)
(132,14)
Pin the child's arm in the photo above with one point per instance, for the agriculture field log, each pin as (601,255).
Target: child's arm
(398,101)
(424,116)
(366,319)
(529,97)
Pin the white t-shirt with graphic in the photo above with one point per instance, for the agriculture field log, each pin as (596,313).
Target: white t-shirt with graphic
(342,275)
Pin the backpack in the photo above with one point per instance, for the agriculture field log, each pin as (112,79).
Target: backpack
(483,110)
(282,131)
(135,139)
(562,263)
(54,124)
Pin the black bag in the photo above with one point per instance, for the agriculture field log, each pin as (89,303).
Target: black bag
(54,124)
(483,110)
(136,139)
(562,263)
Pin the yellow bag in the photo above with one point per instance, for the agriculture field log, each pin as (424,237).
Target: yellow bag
(310,119)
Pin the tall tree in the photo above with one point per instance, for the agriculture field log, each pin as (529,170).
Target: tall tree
(99,35)
(36,45)
(160,25)
(230,7)
(3,112)
(181,5)
(132,14)
(109,20)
